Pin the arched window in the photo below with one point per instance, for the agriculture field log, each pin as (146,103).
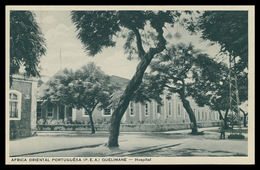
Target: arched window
(15,105)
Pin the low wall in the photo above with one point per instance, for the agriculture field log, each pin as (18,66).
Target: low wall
(131,127)
(163,127)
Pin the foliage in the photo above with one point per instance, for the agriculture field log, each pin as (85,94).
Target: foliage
(174,69)
(230,30)
(145,93)
(99,29)
(27,43)
(85,88)
(216,93)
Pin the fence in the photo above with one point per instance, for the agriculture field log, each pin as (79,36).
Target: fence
(129,127)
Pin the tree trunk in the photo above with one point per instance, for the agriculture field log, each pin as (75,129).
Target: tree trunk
(91,123)
(220,115)
(114,131)
(186,105)
(134,83)
(245,122)
(124,102)
(245,115)
(225,119)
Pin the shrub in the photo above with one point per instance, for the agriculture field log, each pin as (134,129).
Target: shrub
(40,122)
(236,136)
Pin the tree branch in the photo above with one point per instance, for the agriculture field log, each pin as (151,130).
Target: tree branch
(161,45)
(141,51)
(172,89)
(175,79)
(243,111)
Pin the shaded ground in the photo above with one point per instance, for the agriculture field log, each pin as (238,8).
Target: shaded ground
(150,144)
(187,152)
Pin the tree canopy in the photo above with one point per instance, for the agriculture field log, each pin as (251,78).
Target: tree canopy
(178,67)
(230,30)
(86,88)
(98,29)
(216,93)
(27,43)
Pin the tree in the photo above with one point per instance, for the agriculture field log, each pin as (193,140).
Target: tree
(176,69)
(212,89)
(230,30)
(144,93)
(86,88)
(27,43)
(97,29)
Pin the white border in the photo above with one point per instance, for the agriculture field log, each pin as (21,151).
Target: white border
(161,160)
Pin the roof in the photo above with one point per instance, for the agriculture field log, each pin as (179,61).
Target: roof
(44,86)
(23,77)
(120,81)
(115,80)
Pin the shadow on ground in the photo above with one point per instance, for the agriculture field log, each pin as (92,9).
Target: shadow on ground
(187,152)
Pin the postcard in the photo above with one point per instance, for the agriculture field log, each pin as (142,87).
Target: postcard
(130,85)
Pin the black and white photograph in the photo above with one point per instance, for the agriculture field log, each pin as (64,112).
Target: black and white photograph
(130,85)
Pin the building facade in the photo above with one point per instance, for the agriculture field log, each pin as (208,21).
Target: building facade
(22,107)
(171,111)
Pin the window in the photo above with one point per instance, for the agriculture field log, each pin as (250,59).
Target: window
(202,112)
(70,112)
(198,114)
(146,109)
(194,111)
(106,112)
(179,110)
(50,112)
(131,108)
(14,105)
(85,113)
(170,109)
(158,108)
(39,111)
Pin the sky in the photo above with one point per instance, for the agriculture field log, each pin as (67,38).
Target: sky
(61,40)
